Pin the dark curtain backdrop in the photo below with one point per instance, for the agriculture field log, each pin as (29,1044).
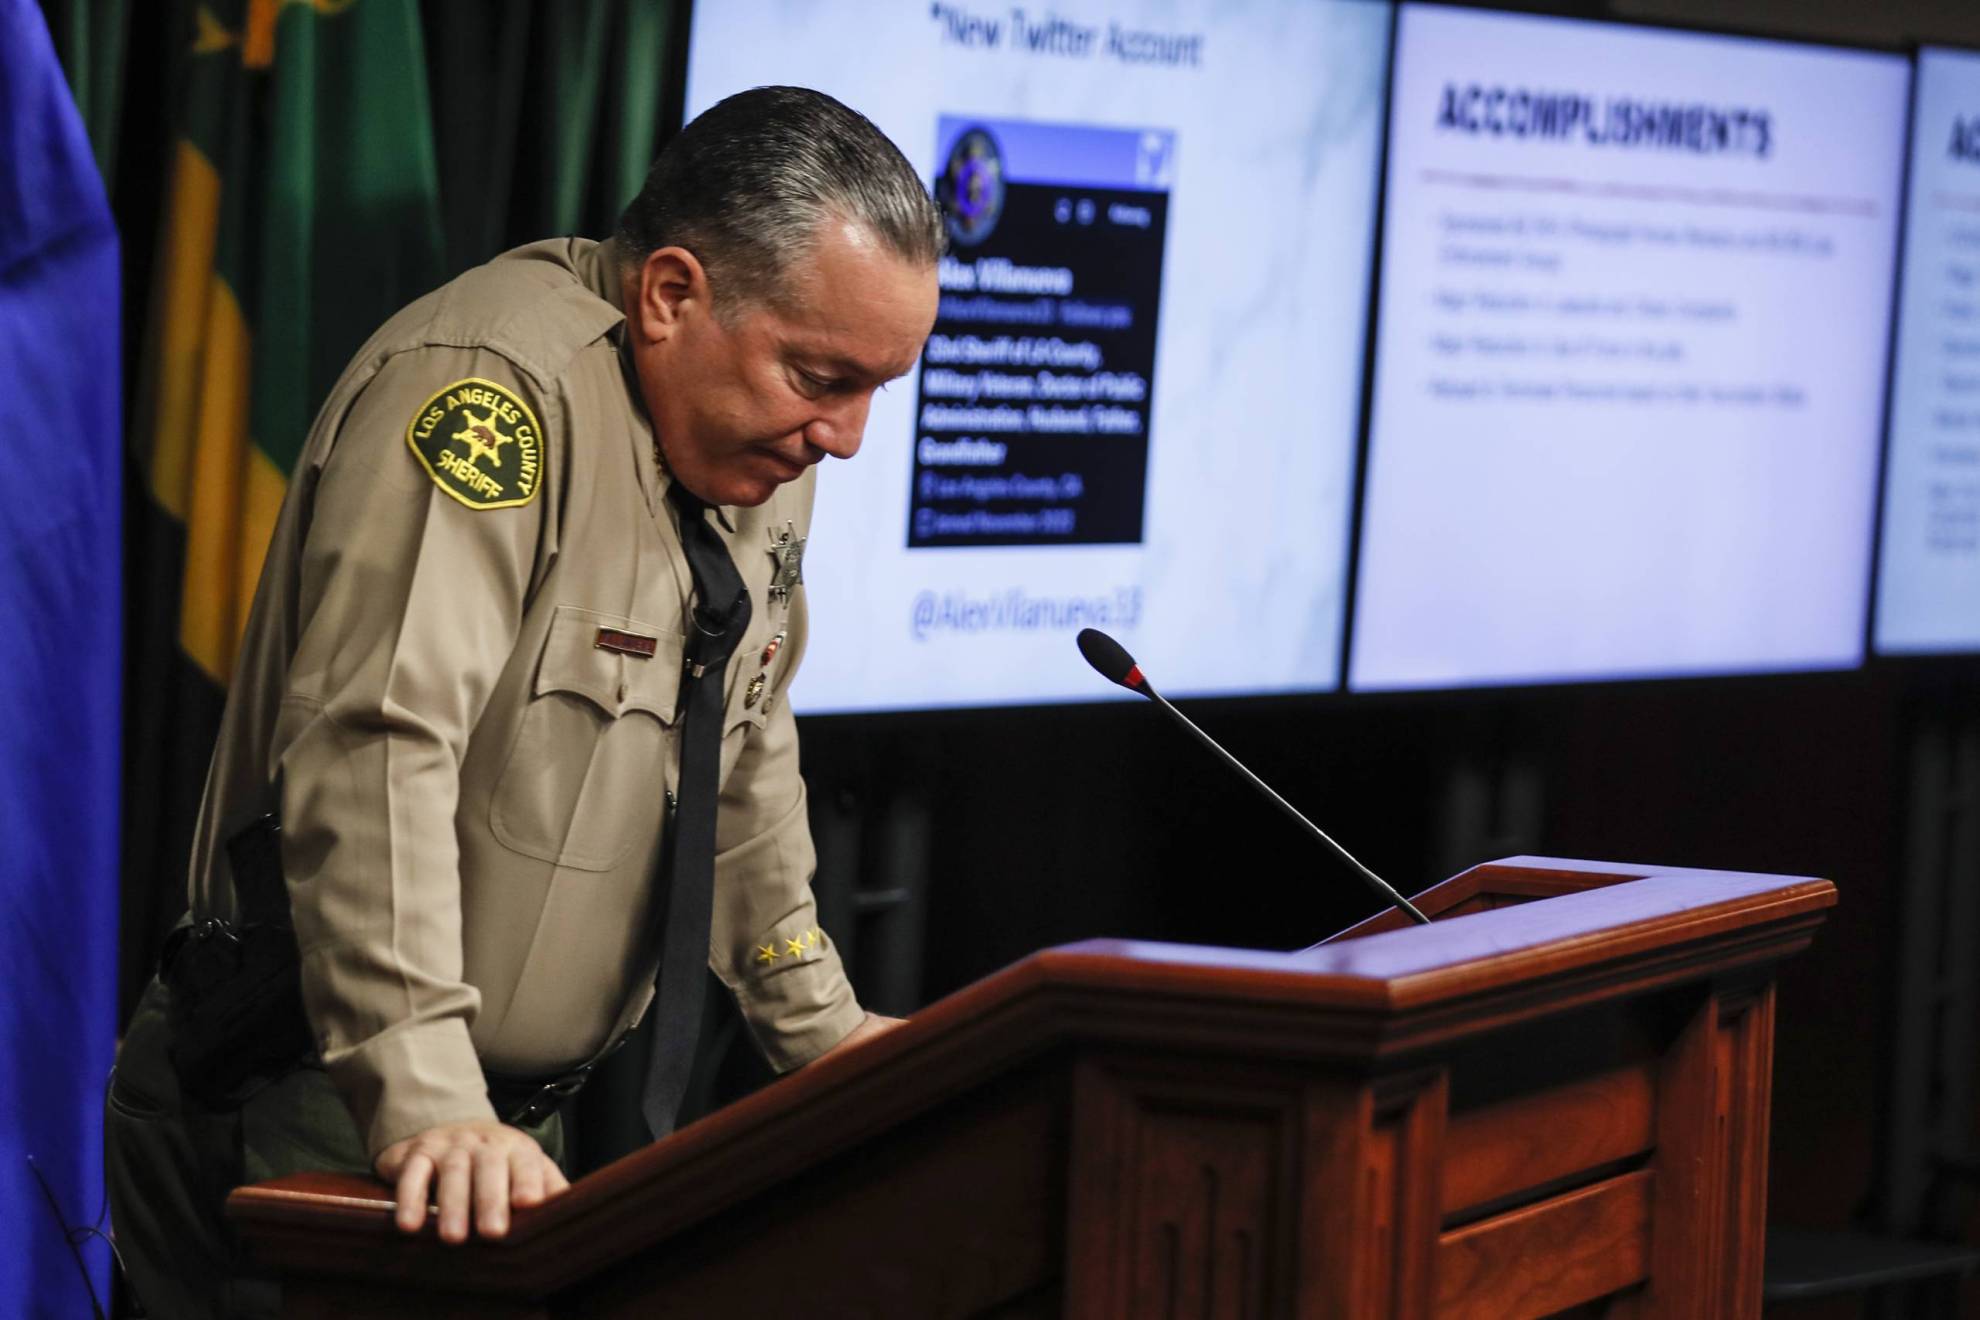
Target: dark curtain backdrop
(286,175)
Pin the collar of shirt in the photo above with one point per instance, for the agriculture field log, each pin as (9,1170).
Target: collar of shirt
(602,267)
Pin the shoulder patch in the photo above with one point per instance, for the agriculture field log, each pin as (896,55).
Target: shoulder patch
(480,443)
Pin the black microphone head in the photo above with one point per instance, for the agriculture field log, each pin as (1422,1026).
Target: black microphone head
(1110,659)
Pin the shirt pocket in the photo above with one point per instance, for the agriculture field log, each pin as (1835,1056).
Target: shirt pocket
(586,779)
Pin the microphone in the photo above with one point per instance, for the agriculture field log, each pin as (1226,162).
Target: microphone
(1112,660)
(1114,664)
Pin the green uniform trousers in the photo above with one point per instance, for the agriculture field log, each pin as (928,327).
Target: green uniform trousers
(170,1163)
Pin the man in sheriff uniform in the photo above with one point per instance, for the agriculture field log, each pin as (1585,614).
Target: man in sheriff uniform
(462,686)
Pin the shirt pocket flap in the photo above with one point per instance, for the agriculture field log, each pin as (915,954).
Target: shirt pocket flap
(616,662)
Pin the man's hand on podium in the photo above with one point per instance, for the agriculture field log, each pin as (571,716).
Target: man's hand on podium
(480,1168)
(479,1165)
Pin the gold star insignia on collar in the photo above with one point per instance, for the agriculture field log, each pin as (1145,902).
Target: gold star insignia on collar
(796,947)
(767,953)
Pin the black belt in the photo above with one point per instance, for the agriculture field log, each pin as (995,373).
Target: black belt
(524,1101)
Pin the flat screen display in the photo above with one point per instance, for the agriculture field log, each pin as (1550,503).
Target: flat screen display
(1138,410)
(1633,327)
(1928,577)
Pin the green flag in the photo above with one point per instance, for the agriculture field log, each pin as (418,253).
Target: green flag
(301,210)
(304,210)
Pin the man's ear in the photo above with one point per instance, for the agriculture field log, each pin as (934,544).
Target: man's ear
(669,285)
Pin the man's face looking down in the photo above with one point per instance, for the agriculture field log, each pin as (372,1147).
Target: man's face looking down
(746,401)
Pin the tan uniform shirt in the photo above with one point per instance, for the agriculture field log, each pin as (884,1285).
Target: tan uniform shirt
(472,789)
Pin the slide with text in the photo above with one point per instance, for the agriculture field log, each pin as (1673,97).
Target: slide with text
(1633,321)
(1928,575)
(1139,405)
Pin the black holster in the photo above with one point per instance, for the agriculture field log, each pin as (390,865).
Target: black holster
(235,1003)
(236,1007)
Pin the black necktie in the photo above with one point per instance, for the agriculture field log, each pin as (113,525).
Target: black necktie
(716,625)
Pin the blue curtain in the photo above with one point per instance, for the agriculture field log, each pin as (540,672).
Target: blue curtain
(60,651)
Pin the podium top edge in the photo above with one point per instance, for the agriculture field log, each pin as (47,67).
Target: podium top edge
(1643,907)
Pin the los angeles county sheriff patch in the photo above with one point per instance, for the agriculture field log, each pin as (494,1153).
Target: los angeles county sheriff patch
(480,444)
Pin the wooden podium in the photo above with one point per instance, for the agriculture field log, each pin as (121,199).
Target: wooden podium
(1552,1099)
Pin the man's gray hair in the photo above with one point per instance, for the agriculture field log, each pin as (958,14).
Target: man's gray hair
(747,184)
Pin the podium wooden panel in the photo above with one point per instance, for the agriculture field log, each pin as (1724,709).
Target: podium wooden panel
(1552,1099)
